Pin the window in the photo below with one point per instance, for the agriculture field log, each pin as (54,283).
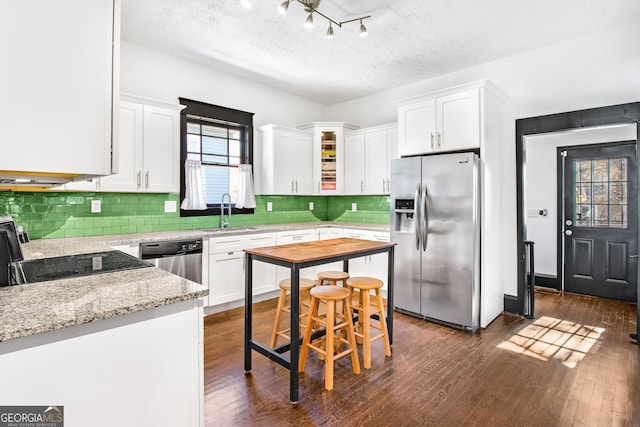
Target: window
(600,195)
(220,139)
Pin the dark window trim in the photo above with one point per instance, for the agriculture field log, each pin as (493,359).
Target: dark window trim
(218,113)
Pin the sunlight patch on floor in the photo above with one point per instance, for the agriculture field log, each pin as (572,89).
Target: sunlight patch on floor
(548,338)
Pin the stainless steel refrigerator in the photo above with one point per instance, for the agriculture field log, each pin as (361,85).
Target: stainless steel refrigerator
(435,205)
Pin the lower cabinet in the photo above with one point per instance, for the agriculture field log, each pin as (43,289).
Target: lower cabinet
(295,236)
(264,275)
(227,261)
(370,265)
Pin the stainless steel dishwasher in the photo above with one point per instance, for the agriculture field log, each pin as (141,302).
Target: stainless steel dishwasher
(180,257)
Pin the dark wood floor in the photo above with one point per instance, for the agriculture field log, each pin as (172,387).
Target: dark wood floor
(574,365)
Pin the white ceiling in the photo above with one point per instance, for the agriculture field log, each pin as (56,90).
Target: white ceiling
(408,40)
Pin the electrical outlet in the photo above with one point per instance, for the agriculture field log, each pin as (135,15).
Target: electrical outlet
(96,206)
(269,206)
(354,207)
(170,206)
(310,206)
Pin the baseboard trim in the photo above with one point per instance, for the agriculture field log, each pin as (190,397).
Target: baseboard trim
(547,281)
(512,305)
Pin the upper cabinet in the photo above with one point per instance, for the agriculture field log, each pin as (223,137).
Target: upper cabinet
(328,156)
(57,84)
(148,154)
(149,151)
(283,161)
(367,154)
(446,120)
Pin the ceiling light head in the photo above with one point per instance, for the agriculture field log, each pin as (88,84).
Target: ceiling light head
(246,3)
(283,7)
(363,29)
(330,32)
(309,22)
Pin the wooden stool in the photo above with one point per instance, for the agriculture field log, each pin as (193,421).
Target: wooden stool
(333,277)
(332,322)
(364,309)
(285,286)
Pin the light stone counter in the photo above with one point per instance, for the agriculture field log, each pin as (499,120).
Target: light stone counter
(41,307)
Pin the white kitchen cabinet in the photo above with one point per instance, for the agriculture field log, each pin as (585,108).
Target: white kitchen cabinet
(283,161)
(148,152)
(227,267)
(446,120)
(367,154)
(295,236)
(60,69)
(328,156)
(226,271)
(149,147)
(264,275)
(370,265)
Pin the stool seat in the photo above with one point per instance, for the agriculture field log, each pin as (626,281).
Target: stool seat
(304,284)
(364,309)
(334,324)
(333,293)
(368,283)
(333,277)
(285,286)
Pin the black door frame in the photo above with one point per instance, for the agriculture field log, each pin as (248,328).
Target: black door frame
(560,218)
(601,116)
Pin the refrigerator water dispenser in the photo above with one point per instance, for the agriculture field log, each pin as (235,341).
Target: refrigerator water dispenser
(404,210)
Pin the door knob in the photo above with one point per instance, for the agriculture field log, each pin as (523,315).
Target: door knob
(568,232)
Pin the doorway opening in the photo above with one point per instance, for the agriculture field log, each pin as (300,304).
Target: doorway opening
(574,121)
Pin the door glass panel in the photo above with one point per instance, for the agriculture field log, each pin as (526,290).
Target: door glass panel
(600,192)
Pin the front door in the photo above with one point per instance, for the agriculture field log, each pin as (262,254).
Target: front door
(600,221)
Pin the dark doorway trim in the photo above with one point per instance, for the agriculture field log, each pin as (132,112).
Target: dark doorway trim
(616,114)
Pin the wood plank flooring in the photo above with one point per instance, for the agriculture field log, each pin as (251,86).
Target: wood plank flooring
(574,365)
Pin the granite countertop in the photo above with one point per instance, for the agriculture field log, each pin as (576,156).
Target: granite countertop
(46,306)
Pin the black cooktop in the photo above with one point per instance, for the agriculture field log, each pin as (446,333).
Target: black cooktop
(42,270)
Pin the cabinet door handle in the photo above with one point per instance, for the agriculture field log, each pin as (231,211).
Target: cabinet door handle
(362,186)
(433,147)
(146,180)
(138,179)
(292,185)
(296,186)
(439,141)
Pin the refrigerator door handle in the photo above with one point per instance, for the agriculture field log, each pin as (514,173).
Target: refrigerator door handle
(425,219)
(418,216)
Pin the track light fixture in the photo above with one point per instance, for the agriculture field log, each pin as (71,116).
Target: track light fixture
(363,29)
(246,3)
(311,6)
(330,32)
(284,7)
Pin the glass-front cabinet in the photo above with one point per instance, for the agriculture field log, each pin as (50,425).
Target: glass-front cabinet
(328,155)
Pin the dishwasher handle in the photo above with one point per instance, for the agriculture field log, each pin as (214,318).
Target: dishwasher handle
(150,250)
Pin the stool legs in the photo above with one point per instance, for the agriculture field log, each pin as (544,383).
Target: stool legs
(276,324)
(364,325)
(333,322)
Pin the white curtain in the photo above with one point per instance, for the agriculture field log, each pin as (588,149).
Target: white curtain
(194,192)
(246,197)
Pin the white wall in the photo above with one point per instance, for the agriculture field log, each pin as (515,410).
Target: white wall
(592,71)
(153,74)
(541,184)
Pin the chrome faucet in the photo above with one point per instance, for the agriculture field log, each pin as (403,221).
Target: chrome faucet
(224,223)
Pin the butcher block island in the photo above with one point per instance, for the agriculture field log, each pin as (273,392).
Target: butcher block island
(130,341)
(297,256)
